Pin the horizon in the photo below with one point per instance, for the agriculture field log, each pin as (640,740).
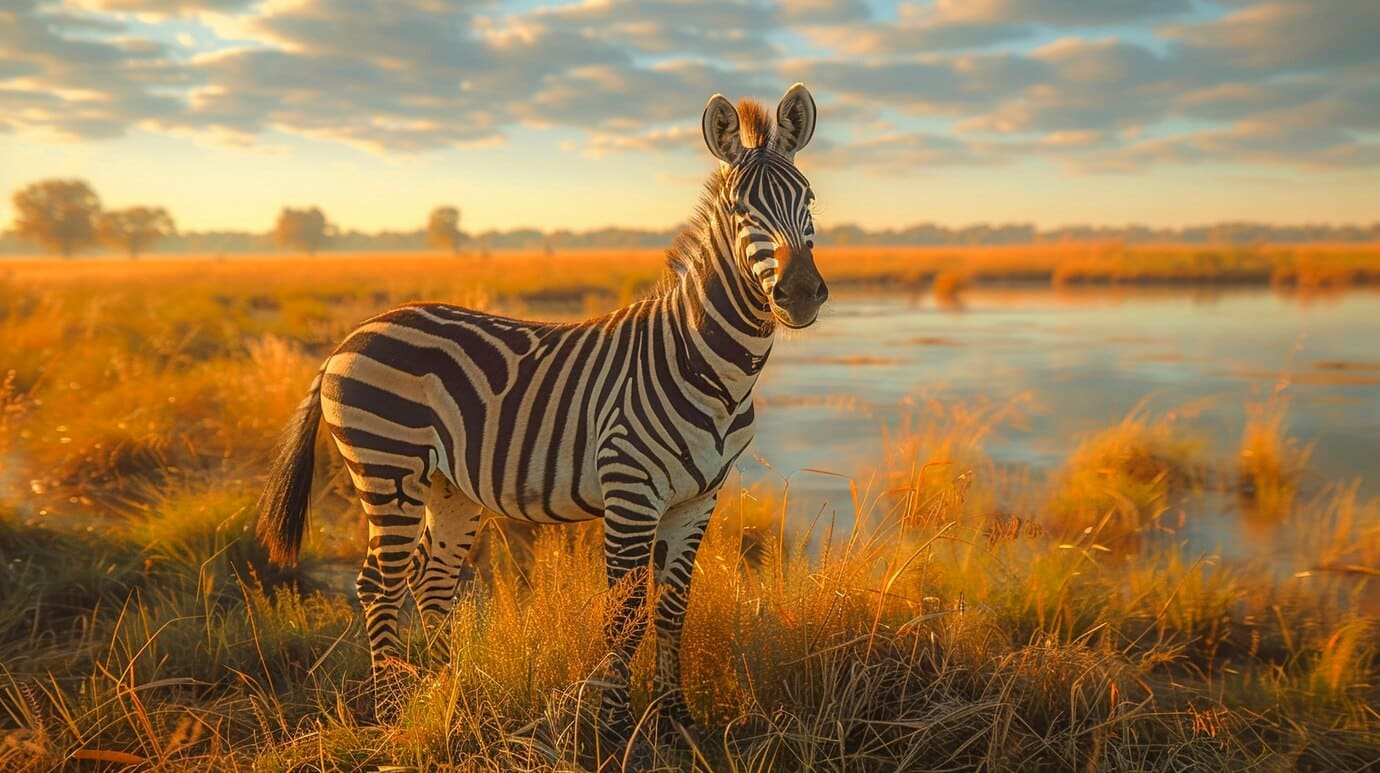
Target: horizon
(585,115)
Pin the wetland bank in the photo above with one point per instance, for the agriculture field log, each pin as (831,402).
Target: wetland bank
(1018,526)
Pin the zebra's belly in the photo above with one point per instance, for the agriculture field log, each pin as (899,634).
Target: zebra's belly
(543,485)
(570,491)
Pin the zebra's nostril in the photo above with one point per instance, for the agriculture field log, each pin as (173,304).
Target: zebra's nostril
(822,292)
(779,296)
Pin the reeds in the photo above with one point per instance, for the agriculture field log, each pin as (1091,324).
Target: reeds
(1271,461)
(1119,481)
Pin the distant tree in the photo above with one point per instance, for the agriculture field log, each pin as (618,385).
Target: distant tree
(60,215)
(443,229)
(134,229)
(846,235)
(302,229)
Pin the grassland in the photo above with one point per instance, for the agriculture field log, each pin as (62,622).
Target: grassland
(957,625)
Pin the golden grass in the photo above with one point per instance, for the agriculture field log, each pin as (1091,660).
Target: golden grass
(971,619)
(1271,462)
(915,645)
(1306,266)
(618,271)
(948,285)
(1119,481)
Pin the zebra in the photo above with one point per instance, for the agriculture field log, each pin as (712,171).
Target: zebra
(636,417)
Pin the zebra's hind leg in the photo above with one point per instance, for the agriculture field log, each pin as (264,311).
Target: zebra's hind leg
(628,532)
(452,520)
(678,538)
(394,507)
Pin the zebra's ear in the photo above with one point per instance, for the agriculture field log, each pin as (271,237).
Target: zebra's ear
(795,120)
(721,130)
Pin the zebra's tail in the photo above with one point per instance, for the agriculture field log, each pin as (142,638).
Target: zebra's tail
(287,492)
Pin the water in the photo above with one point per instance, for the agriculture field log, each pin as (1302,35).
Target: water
(1084,360)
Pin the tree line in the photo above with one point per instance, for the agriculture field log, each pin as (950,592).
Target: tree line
(65,216)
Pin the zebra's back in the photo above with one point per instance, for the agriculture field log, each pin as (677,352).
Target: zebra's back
(506,409)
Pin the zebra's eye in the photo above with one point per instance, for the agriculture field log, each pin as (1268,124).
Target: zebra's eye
(739,208)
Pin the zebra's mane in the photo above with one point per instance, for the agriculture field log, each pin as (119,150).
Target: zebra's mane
(758,127)
(687,251)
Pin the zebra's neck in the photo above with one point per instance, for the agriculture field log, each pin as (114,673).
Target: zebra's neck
(722,328)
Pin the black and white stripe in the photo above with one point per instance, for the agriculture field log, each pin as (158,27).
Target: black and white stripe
(635,417)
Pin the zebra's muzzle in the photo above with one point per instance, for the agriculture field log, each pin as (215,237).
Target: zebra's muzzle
(800,292)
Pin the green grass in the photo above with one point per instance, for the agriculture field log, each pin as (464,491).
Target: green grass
(973,618)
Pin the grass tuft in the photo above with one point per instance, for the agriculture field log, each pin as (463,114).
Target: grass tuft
(1119,481)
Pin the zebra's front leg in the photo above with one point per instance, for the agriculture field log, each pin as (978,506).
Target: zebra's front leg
(629,528)
(678,538)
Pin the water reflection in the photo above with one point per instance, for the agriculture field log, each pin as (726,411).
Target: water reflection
(1084,359)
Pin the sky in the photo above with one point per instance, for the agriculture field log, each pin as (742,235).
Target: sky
(587,114)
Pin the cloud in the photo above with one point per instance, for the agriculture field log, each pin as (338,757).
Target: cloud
(1089,85)
(1107,85)
(915,36)
(813,12)
(164,8)
(55,76)
(1277,37)
(674,140)
(395,76)
(960,24)
(900,154)
(1064,13)
(732,29)
(412,78)
(1260,143)
(947,85)
(630,97)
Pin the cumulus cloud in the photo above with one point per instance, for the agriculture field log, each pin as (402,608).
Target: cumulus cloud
(55,76)
(1086,84)
(674,140)
(1322,150)
(1276,37)
(627,97)
(899,154)
(732,29)
(1113,84)
(947,85)
(395,76)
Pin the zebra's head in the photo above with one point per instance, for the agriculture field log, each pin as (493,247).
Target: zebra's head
(769,201)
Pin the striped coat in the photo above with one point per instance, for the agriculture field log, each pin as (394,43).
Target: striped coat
(636,417)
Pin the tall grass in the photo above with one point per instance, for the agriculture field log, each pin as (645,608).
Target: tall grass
(1271,462)
(1119,481)
(908,645)
(971,617)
